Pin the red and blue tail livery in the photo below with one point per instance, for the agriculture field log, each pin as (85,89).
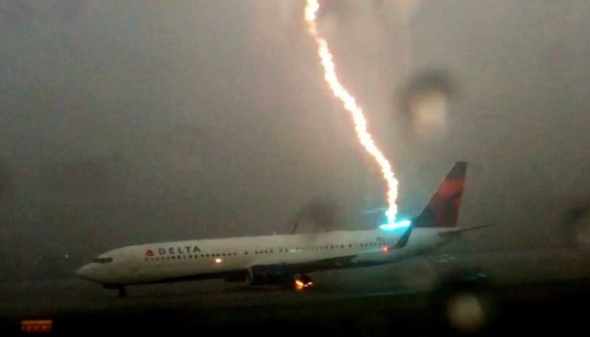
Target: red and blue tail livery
(442,211)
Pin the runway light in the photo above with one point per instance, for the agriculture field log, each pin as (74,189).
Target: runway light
(403,223)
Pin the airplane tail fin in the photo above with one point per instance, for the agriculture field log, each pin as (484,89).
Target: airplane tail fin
(442,211)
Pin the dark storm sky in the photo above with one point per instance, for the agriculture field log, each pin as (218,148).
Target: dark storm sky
(126,122)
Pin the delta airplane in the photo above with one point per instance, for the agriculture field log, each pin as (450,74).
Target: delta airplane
(285,259)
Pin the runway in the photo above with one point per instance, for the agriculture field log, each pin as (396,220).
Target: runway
(343,301)
(66,296)
(53,297)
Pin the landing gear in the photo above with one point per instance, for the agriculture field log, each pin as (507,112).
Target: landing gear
(302,282)
(122,292)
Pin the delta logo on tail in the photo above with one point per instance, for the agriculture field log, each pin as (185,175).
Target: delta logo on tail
(443,208)
(447,203)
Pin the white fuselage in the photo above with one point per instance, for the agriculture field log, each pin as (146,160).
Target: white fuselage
(170,261)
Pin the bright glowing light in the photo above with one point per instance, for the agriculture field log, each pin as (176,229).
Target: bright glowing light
(299,284)
(218,260)
(395,226)
(385,249)
(358,117)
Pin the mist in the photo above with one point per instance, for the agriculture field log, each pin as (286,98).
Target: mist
(134,122)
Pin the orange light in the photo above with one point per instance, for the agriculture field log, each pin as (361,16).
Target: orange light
(299,285)
(385,249)
(37,326)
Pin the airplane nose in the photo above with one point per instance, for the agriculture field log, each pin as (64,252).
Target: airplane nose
(84,272)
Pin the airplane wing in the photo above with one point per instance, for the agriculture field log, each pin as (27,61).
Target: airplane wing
(460,230)
(310,264)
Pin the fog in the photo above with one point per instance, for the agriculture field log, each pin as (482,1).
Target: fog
(133,122)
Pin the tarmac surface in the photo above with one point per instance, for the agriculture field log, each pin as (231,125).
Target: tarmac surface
(374,301)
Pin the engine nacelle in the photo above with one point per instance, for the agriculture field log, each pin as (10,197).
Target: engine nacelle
(268,275)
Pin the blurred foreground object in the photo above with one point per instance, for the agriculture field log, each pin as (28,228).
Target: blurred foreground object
(426,102)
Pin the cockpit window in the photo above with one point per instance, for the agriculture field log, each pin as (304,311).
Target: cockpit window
(103,260)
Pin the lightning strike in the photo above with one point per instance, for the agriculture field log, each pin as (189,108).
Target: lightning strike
(349,102)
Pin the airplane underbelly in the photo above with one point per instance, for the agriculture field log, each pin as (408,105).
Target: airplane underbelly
(181,269)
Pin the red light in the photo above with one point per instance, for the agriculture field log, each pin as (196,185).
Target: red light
(37,326)
(385,249)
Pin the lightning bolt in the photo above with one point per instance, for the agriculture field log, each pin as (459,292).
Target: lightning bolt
(349,102)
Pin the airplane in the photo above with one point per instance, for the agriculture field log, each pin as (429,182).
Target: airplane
(285,259)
